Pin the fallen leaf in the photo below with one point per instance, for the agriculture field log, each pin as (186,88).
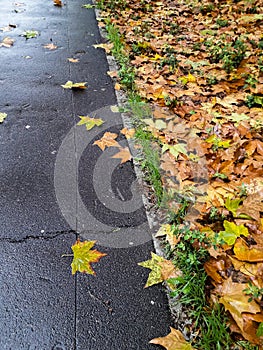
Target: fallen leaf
(7,28)
(57,3)
(166,230)
(232,205)
(73,60)
(128,133)
(7,42)
(236,302)
(90,122)
(88,6)
(2,117)
(245,253)
(84,256)
(70,85)
(117,86)
(107,140)
(232,232)
(114,109)
(50,46)
(161,270)
(124,154)
(106,47)
(29,34)
(173,341)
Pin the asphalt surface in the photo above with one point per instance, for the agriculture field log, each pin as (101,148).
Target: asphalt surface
(55,185)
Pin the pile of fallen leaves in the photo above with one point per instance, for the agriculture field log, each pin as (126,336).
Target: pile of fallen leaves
(200,66)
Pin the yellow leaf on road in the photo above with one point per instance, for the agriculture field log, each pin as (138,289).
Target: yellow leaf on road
(84,256)
(90,122)
(70,85)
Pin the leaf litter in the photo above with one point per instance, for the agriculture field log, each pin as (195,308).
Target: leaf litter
(200,66)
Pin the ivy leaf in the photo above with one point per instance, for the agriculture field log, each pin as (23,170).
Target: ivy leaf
(29,34)
(2,117)
(70,85)
(84,256)
(232,232)
(90,122)
(173,341)
(232,205)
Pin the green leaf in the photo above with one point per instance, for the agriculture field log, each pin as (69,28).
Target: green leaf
(232,232)
(260,330)
(90,122)
(232,205)
(2,117)
(88,6)
(84,256)
(29,34)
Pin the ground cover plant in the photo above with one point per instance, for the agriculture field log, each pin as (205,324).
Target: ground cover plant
(200,68)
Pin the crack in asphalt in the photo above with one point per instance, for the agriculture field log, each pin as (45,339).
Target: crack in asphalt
(50,236)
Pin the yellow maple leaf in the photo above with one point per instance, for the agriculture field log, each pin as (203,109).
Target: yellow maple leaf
(84,255)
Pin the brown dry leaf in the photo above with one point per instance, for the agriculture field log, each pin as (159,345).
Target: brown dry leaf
(252,206)
(124,154)
(57,3)
(73,60)
(113,73)
(107,140)
(50,46)
(106,47)
(7,42)
(117,86)
(128,133)
(236,302)
(245,253)
(173,341)
(213,267)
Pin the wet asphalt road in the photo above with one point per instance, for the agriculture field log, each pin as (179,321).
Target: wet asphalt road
(48,192)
